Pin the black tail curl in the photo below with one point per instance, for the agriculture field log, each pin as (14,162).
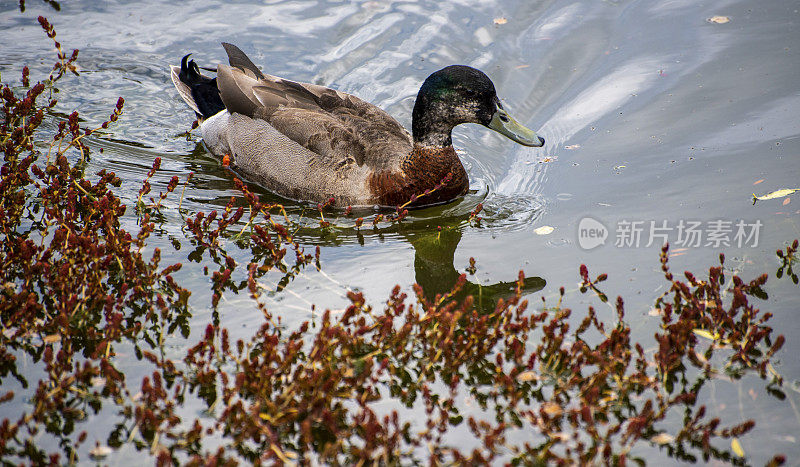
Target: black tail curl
(204,90)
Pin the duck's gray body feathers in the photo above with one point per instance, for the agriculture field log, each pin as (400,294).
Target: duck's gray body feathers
(303,141)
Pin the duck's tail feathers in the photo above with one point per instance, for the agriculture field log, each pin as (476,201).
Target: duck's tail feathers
(198,91)
(238,59)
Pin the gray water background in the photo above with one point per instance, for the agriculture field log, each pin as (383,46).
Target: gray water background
(650,111)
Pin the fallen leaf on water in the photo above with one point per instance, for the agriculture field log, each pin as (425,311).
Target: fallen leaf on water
(758,181)
(706,334)
(787,201)
(527,376)
(500,20)
(737,447)
(52,338)
(572,146)
(662,438)
(544,230)
(718,19)
(654,312)
(552,409)
(776,194)
(753,394)
(100,451)
(521,66)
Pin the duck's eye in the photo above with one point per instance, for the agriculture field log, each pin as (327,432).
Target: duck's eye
(503,118)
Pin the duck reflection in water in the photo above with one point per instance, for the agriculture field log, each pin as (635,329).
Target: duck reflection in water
(435,270)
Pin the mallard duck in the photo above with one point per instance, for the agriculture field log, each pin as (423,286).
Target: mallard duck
(311,143)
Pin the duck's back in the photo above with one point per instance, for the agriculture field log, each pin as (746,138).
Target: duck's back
(303,141)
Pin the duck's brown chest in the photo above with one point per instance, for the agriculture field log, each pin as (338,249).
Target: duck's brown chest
(428,176)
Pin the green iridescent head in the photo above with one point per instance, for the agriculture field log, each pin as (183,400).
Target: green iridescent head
(461,94)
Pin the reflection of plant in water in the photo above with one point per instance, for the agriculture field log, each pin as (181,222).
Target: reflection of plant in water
(587,395)
(459,359)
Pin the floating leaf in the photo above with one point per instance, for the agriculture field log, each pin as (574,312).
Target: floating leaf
(552,409)
(776,194)
(544,230)
(737,447)
(52,338)
(527,376)
(706,334)
(787,201)
(500,20)
(718,19)
(662,438)
(758,181)
(100,451)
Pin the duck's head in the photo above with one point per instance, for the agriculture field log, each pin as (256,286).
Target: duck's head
(461,94)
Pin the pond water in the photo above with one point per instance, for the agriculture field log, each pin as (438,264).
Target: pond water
(651,112)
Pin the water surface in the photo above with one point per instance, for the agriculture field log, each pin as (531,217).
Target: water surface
(650,111)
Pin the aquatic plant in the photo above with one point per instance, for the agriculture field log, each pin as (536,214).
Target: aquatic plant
(585,395)
(395,383)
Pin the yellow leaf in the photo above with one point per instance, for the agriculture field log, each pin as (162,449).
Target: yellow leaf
(552,409)
(100,451)
(51,338)
(527,376)
(662,438)
(719,19)
(544,230)
(737,447)
(500,21)
(706,334)
(776,194)
(281,455)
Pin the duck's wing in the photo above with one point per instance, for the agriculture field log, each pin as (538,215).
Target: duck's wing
(338,127)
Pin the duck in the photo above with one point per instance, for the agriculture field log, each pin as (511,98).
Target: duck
(311,143)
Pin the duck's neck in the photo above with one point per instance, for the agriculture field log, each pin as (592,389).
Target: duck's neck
(428,125)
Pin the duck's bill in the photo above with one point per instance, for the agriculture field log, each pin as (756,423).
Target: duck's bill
(504,124)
